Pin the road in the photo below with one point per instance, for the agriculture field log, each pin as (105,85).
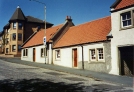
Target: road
(22,78)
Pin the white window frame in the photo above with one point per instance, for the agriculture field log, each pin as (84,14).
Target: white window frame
(127,19)
(98,54)
(57,54)
(91,55)
(97,59)
(25,52)
(42,52)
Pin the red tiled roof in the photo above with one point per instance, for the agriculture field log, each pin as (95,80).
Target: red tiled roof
(124,3)
(93,31)
(37,39)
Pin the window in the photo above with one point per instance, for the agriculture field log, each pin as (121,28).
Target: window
(13,48)
(20,25)
(7,50)
(43,52)
(96,54)
(14,36)
(57,54)
(19,47)
(100,54)
(19,36)
(25,52)
(14,25)
(93,55)
(7,41)
(126,19)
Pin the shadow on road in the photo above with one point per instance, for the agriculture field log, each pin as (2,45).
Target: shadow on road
(37,85)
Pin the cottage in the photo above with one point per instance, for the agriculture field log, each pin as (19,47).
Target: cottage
(85,46)
(35,51)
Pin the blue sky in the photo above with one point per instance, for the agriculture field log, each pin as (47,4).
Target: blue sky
(81,11)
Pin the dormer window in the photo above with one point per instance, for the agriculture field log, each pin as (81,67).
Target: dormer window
(14,25)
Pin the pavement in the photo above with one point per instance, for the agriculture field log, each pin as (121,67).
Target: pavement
(98,76)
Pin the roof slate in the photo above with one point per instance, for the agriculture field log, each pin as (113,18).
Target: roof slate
(36,20)
(18,15)
(93,31)
(37,39)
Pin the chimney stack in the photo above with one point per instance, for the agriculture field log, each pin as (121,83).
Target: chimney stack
(68,18)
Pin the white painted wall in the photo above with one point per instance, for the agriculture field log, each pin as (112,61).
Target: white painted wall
(120,38)
(29,57)
(65,57)
(38,57)
(67,54)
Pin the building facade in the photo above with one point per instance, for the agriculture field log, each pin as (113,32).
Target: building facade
(102,45)
(122,43)
(18,30)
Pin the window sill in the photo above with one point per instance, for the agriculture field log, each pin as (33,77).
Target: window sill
(102,61)
(43,57)
(127,27)
(25,56)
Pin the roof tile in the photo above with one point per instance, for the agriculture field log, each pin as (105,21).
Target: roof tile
(93,31)
(124,3)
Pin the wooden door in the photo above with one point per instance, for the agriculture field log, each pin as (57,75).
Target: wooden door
(75,57)
(34,51)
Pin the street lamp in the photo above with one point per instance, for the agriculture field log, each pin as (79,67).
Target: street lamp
(44,38)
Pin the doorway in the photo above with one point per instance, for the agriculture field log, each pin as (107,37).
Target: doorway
(34,51)
(126,60)
(75,58)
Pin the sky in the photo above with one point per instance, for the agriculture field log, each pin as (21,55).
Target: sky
(81,11)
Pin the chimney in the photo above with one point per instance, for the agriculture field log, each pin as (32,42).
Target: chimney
(68,18)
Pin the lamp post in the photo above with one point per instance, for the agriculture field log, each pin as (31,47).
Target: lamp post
(44,38)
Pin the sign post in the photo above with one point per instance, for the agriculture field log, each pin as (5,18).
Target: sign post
(44,41)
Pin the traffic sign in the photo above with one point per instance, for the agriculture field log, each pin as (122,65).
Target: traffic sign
(44,40)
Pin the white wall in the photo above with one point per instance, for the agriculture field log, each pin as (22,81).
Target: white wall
(65,57)
(30,55)
(38,57)
(67,54)
(120,38)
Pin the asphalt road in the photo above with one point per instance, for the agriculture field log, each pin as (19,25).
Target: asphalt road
(22,78)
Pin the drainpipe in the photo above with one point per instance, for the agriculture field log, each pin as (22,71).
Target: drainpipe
(82,58)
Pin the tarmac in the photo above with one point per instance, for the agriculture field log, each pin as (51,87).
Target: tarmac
(98,76)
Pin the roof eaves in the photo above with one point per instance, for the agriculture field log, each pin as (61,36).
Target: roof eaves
(80,44)
(32,46)
(122,8)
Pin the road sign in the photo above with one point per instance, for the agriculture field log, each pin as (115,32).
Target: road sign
(44,40)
